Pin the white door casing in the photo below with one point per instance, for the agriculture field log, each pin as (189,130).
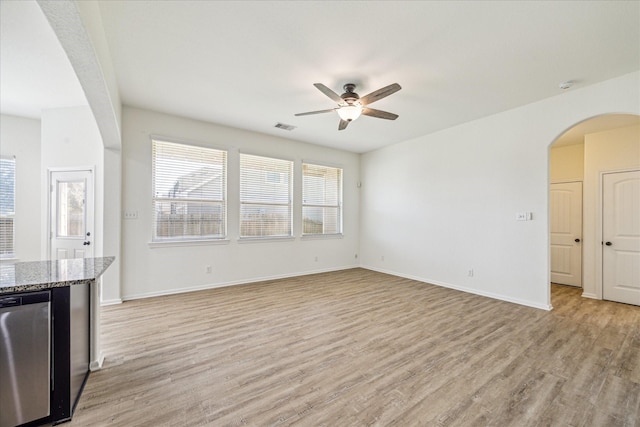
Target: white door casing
(71,214)
(621,237)
(565,223)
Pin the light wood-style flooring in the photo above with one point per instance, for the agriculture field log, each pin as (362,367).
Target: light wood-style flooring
(360,348)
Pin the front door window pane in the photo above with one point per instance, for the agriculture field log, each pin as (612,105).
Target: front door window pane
(71,209)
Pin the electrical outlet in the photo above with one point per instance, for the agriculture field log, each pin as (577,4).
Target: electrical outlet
(382,258)
(470,273)
(209,269)
(130,214)
(316,259)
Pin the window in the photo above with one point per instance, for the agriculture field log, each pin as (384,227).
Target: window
(189,192)
(7,206)
(321,199)
(265,196)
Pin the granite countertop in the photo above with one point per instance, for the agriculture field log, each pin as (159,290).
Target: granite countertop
(39,275)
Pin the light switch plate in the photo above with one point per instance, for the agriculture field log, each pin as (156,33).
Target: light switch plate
(523,216)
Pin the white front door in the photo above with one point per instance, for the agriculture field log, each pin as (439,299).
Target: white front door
(621,237)
(565,217)
(71,213)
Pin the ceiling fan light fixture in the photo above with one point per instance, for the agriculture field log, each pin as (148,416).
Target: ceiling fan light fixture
(350,112)
(351,106)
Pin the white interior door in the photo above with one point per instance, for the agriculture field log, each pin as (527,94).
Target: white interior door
(71,213)
(565,217)
(621,237)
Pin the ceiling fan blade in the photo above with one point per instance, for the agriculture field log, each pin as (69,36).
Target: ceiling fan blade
(331,94)
(316,112)
(380,93)
(343,124)
(379,114)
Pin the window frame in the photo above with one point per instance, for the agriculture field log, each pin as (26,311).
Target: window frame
(339,205)
(268,176)
(11,216)
(185,238)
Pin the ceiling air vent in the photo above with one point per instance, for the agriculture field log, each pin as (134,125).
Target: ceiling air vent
(284,126)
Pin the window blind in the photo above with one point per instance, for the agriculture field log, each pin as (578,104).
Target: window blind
(189,192)
(321,199)
(7,206)
(265,196)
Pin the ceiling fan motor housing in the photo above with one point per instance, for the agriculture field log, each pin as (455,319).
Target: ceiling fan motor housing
(349,95)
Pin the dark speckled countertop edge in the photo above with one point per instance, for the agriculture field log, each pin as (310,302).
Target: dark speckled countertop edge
(43,275)
(40,286)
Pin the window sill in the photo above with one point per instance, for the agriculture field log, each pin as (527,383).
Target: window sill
(177,243)
(321,236)
(265,239)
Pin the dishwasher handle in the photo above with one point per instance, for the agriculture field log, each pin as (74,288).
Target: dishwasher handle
(10,302)
(24,299)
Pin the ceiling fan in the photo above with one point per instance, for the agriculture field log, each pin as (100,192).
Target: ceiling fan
(351,106)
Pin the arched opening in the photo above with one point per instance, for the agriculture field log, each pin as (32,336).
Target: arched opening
(584,163)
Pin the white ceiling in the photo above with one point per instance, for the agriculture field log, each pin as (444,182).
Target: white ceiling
(35,73)
(252,64)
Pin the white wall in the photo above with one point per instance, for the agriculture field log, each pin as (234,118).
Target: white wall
(440,205)
(148,271)
(20,137)
(610,151)
(566,163)
(111,230)
(78,27)
(92,22)
(91,58)
(70,139)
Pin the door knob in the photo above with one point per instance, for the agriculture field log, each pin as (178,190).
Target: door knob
(608,243)
(577,240)
(87,243)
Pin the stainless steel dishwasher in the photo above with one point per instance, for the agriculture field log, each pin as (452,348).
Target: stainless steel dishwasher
(25,337)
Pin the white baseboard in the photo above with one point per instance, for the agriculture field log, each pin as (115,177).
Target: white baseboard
(232,283)
(111,302)
(500,297)
(96,365)
(174,291)
(589,295)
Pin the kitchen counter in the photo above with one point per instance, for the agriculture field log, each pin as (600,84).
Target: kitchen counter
(39,275)
(74,288)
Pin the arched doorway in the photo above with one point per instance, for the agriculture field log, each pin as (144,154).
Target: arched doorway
(581,162)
